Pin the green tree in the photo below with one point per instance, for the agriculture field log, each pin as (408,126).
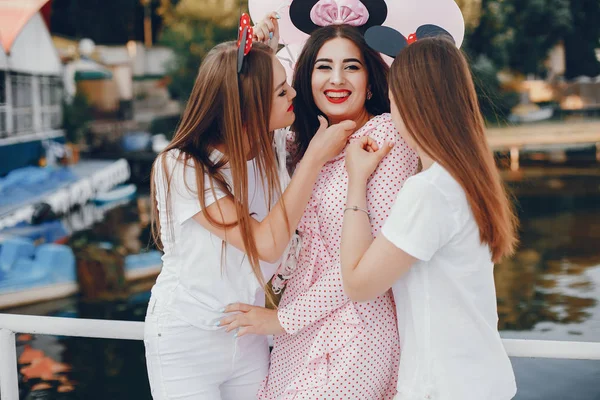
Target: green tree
(192,28)
(516,35)
(492,36)
(103,21)
(471,10)
(537,26)
(486,44)
(519,34)
(76,116)
(583,40)
(495,104)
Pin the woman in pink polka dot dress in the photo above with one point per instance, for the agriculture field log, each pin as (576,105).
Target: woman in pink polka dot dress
(333,348)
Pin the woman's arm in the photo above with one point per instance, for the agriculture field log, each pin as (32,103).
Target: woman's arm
(369,268)
(272,234)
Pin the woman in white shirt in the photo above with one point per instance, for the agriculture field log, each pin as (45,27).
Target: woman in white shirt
(448,226)
(215,239)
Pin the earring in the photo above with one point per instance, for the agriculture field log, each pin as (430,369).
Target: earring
(369,94)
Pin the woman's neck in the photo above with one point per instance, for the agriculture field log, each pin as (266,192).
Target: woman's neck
(220,148)
(426,160)
(360,119)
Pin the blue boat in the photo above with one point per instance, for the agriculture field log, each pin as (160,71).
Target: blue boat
(31,273)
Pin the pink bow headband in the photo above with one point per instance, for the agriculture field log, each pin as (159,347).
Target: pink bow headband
(332,12)
(308,15)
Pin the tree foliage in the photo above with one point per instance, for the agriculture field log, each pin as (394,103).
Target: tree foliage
(495,103)
(536,27)
(583,40)
(490,37)
(103,21)
(192,28)
(471,10)
(519,34)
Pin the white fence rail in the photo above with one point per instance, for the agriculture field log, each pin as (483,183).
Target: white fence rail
(108,329)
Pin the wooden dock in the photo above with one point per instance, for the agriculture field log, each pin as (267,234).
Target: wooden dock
(544,137)
(544,134)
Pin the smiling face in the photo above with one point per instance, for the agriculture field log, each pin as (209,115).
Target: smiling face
(340,81)
(282,110)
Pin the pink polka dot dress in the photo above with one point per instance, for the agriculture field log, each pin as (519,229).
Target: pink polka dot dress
(334,348)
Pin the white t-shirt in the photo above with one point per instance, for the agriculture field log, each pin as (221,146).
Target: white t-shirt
(200,274)
(446,303)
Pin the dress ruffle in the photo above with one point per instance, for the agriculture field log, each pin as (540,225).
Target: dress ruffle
(339,330)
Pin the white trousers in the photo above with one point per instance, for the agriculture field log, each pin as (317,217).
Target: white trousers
(186,362)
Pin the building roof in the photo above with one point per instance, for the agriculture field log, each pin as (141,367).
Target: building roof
(14,15)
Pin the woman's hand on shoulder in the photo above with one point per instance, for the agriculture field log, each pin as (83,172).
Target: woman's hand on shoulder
(267,30)
(329,141)
(251,319)
(363,156)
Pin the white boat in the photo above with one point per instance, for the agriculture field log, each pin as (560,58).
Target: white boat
(120,193)
(541,114)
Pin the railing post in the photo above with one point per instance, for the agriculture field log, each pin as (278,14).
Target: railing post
(9,379)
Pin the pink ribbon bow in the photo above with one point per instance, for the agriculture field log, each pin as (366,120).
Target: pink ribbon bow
(337,12)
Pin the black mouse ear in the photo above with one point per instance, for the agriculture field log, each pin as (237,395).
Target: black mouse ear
(430,30)
(300,15)
(385,40)
(378,12)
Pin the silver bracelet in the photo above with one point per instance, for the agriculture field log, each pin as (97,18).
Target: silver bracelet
(356,208)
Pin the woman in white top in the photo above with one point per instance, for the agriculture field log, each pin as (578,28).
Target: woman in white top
(213,187)
(448,226)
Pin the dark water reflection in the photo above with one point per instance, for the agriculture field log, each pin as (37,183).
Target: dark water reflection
(101,369)
(549,290)
(554,276)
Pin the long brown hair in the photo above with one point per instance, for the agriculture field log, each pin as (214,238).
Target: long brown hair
(306,123)
(232,110)
(435,95)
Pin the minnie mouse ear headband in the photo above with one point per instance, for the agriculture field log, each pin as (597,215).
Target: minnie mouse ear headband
(418,19)
(309,15)
(390,42)
(244,40)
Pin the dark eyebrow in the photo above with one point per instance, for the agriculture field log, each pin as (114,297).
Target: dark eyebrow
(346,60)
(280,85)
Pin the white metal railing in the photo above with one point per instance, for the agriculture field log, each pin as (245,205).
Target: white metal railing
(110,329)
